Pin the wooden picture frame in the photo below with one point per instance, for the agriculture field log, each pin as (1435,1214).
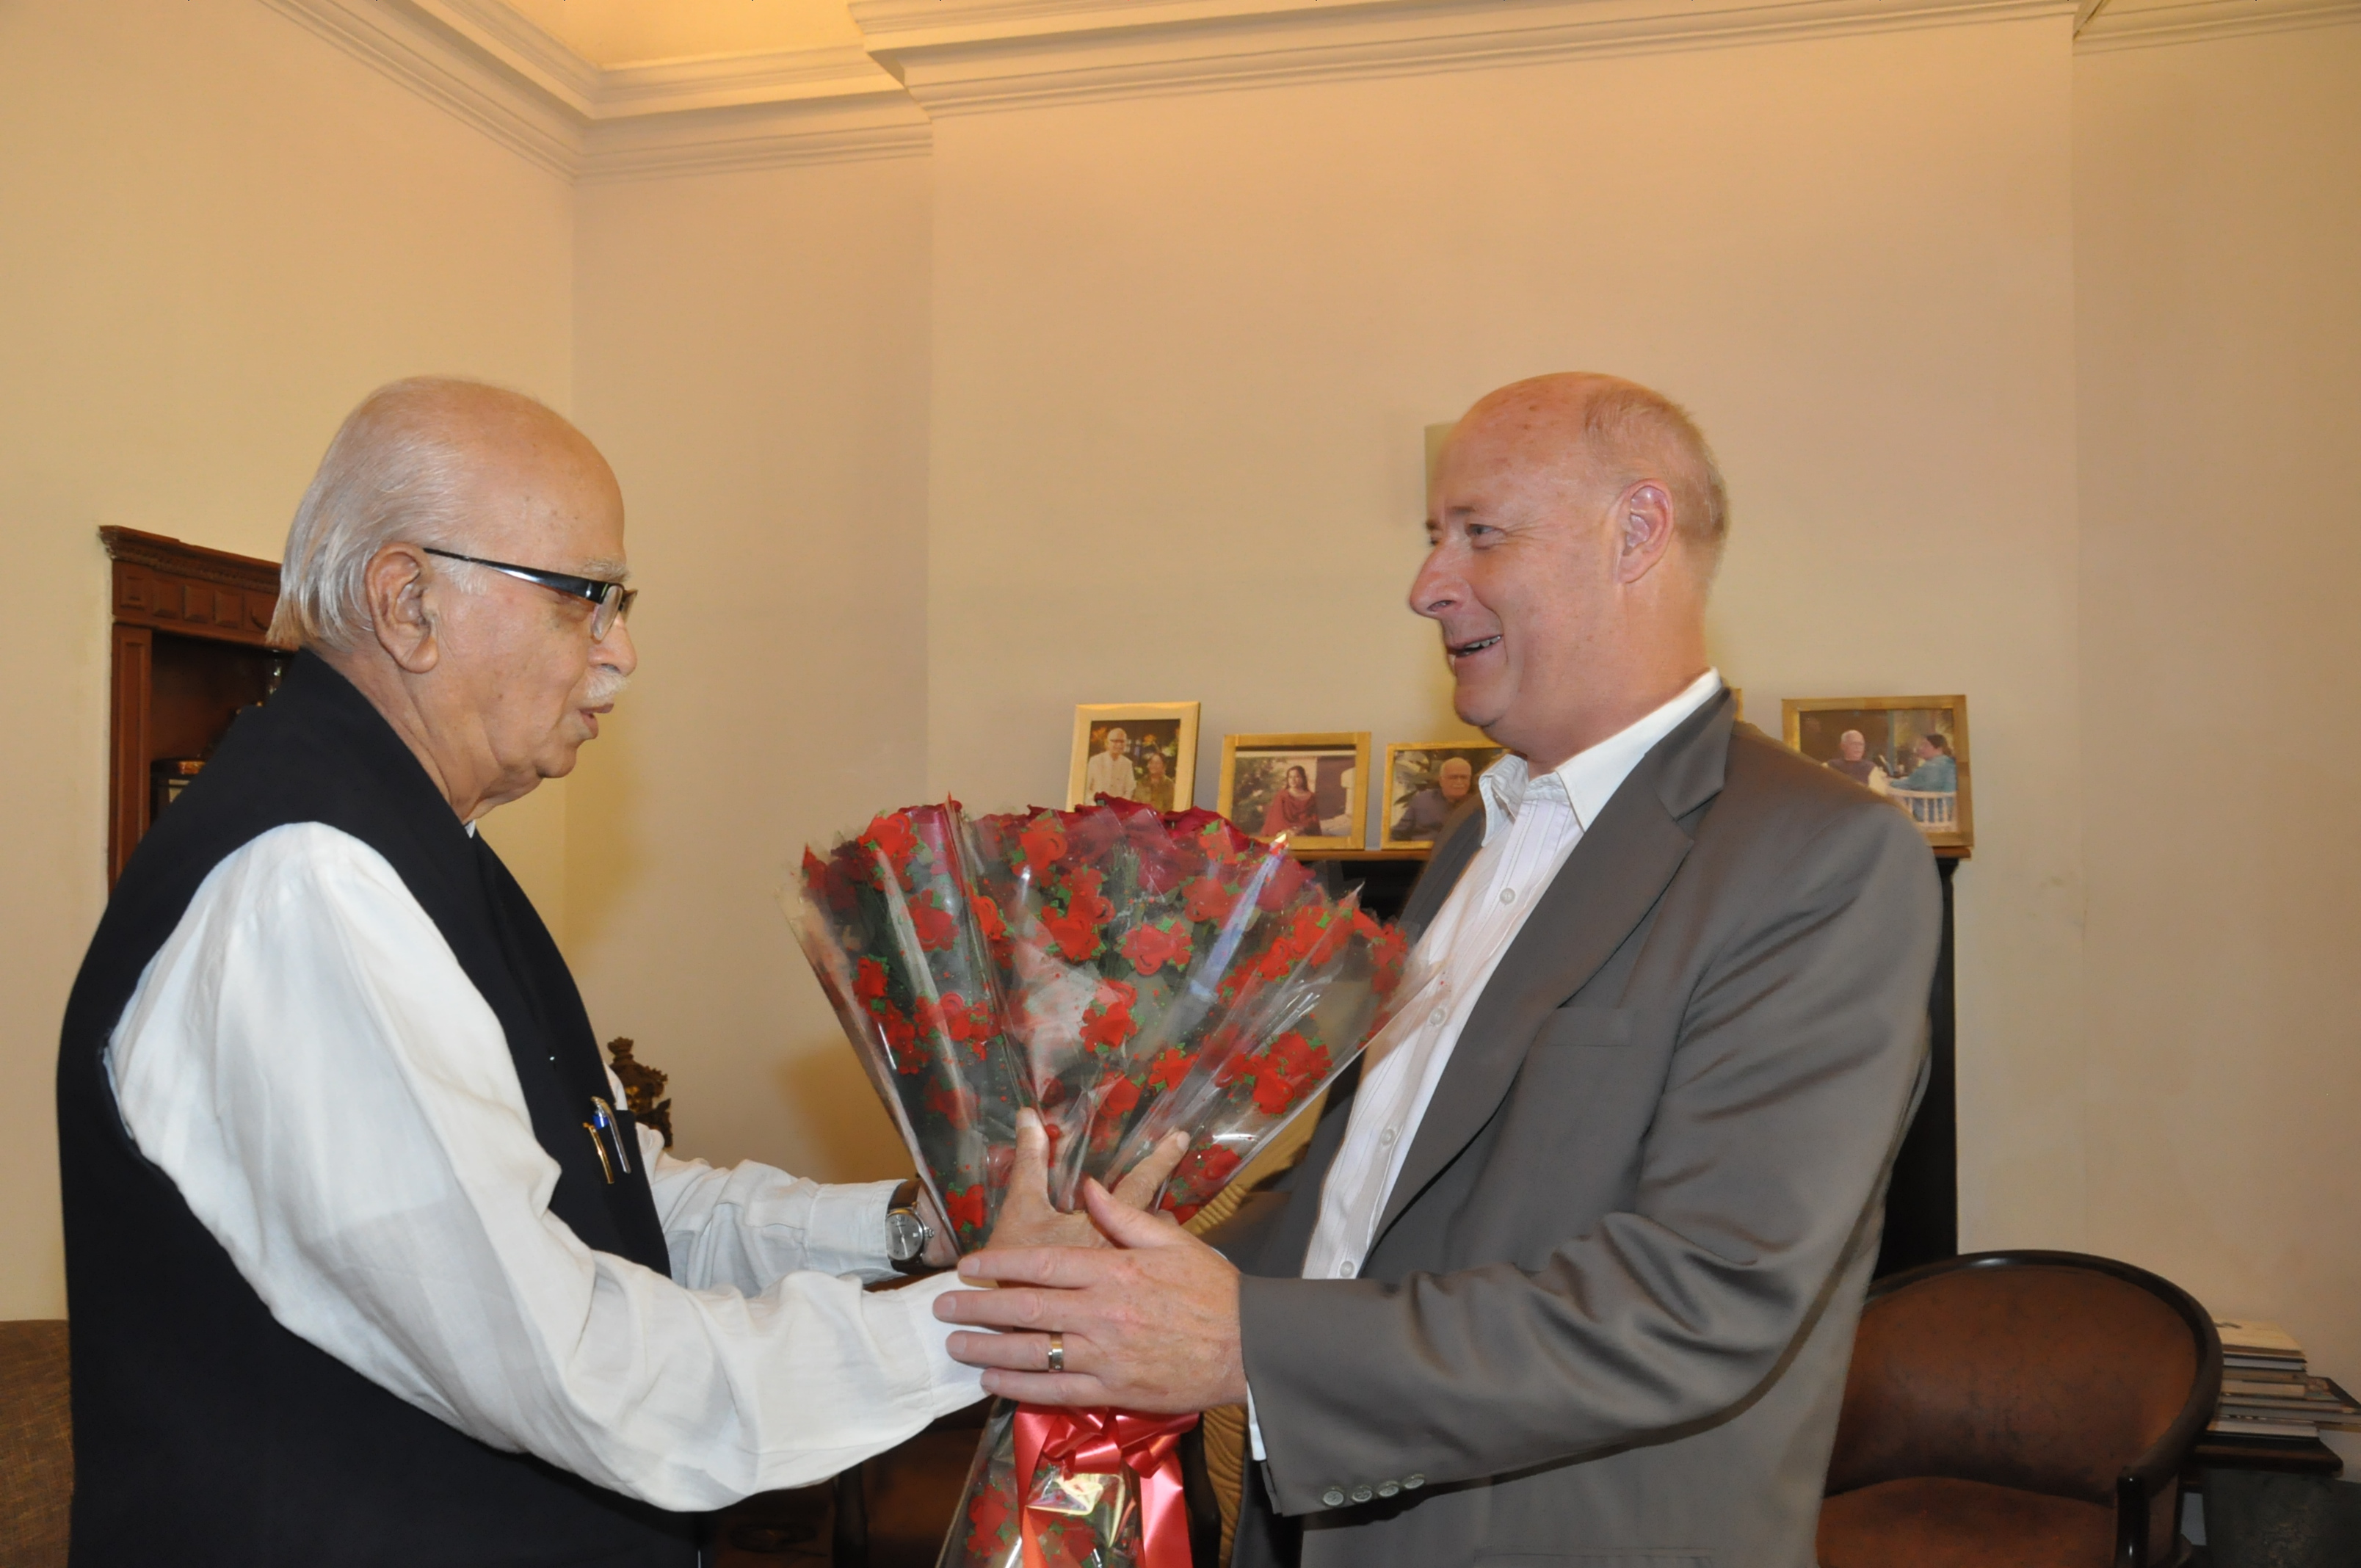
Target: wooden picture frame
(1336,765)
(1152,731)
(1414,773)
(1891,729)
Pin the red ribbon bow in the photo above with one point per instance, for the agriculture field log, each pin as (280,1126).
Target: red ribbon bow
(1105,1442)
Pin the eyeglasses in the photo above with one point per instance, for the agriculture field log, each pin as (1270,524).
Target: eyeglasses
(613,600)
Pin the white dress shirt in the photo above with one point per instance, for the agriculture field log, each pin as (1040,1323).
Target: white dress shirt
(308,1063)
(1530,826)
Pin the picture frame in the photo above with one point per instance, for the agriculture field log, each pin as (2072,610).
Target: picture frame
(1151,733)
(1328,808)
(1896,737)
(1419,793)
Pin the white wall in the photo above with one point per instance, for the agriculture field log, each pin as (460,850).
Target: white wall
(1185,348)
(751,354)
(2219,259)
(219,233)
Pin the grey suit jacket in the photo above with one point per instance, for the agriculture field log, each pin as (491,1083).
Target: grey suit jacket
(1609,1312)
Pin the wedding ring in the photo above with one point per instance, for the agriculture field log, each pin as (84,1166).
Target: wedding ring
(1056,1353)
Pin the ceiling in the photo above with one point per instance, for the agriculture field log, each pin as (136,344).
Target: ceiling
(608,33)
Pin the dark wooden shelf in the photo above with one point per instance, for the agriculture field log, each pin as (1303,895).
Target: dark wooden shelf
(191,648)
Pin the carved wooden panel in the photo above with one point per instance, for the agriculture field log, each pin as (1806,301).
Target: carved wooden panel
(191,648)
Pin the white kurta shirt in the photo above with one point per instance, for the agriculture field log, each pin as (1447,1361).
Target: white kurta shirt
(1530,826)
(308,1063)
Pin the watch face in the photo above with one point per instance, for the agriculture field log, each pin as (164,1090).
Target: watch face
(905,1235)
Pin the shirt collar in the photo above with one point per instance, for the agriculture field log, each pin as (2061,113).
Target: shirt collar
(1590,778)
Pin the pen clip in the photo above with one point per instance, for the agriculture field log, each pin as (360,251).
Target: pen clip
(604,1115)
(600,1149)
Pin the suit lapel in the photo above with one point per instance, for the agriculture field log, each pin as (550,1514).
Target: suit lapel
(1605,889)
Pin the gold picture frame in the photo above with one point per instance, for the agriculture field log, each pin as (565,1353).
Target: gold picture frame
(1256,780)
(1417,795)
(1898,736)
(1152,732)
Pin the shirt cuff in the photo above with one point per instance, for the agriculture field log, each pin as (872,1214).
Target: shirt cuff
(1254,1431)
(846,1231)
(951,1384)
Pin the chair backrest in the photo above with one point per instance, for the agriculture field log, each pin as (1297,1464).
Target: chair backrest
(2044,1372)
(36,1444)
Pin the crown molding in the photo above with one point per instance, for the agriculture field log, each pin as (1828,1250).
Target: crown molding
(969,56)
(508,77)
(840,129)
(2141,27)
(425,57)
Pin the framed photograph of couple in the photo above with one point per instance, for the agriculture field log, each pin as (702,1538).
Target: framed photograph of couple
(1144,751)
(1309,787)
(1913,751)
(1426,781)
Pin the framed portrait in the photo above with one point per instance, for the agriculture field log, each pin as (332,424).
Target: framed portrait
(1144,751)
(1312,788)
(1425,783)
(1911,749)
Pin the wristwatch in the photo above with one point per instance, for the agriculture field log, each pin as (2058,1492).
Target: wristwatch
(906,1234)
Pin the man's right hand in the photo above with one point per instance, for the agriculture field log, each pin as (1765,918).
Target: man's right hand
(1027,1219)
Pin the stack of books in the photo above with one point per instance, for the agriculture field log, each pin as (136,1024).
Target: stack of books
(2266,1390)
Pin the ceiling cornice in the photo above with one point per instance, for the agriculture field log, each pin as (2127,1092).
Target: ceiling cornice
(2115,27)
(966,56)
(508,77)
(492,67)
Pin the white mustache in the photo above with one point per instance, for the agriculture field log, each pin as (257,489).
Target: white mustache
(607,683)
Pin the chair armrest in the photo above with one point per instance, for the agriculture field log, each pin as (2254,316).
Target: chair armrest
(2137,1485)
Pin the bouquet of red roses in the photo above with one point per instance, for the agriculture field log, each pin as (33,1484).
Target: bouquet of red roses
(1126,973)
(891,923)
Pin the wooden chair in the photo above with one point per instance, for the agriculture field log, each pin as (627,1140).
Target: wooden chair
(36,1444)
(2028,1408)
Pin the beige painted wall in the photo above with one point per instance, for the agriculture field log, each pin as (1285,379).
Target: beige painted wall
(752,354)
(2219,257)
(1185,348)
(219,234)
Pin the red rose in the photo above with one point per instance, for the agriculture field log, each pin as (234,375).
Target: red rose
(954,1105)
(1043,843)
(901,1038)
(1121,1096)
(869,980)
(988,918)
(1272,1090)
(990,1516)
(1090,834)
(890,837)
(1287,879)
(964,1207)
(1076,936)
(937,929)
(1168,1068)
(1208,900)
(1108,1024)
(1150,948)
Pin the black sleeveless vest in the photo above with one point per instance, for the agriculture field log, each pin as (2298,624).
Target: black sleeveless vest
(205,1433)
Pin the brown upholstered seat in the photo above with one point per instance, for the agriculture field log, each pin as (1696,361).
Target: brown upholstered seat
(36,1444)
(2024,1407)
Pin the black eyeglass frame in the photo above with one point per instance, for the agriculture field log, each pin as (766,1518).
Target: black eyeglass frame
(610,601)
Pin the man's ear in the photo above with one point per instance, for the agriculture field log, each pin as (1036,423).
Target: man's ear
(394,584)
(1644,530)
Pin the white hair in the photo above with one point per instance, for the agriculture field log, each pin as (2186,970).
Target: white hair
(396,472)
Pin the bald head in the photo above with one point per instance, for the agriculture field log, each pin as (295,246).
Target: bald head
(433,461)
(1605,434)
(1575,521)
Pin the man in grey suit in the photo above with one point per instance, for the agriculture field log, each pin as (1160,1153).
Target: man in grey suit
(1570,1271)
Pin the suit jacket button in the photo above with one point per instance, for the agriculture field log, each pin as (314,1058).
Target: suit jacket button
(1412,1483)
(1387,1488)
(1362,1494)
(1333,1498)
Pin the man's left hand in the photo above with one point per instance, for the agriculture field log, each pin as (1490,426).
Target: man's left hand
(1151,1326)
